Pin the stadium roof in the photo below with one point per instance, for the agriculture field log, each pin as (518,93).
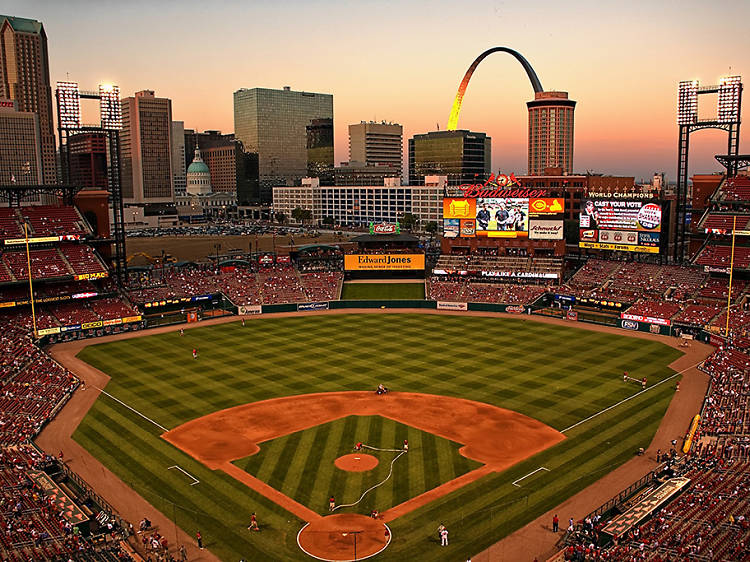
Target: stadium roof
(385,238)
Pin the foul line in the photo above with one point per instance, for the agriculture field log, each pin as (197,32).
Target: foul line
(529,474)
(607,409)
(131,409)
(372,487)
(186,473)
(387,450)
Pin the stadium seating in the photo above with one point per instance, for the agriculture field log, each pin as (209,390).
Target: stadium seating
(45,264)
(47,220)
(655,308)
(9,224)
(736,189)
(724,221)
(82,259)
(280,284)
(111,308)
(698,314)
(322,286)
(721,256)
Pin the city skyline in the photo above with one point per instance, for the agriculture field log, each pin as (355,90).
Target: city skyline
(622,66)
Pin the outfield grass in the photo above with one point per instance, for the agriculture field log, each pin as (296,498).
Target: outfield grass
(383,291)
(281,463)
(556,374)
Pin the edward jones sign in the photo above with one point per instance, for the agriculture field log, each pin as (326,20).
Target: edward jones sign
(383,262)
(545,230)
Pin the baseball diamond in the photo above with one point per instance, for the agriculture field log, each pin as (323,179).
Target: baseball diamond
(495,364)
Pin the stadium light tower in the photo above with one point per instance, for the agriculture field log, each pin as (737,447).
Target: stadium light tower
(68,97)
(727,119)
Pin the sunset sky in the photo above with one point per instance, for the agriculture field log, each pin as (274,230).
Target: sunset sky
(403,61)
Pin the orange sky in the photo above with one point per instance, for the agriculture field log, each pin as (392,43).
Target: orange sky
(403,61)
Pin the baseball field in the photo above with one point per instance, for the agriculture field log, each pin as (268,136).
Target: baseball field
(210,440)
(382,291)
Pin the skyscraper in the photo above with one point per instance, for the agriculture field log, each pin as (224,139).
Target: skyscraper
(87,160)
(274,123)
(377,144)
(20,148)
(550,132)
(146,149)
(24,78)
(320,150)
(179,178)
(463,156)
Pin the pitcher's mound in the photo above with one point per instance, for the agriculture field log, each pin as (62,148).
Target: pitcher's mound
(332,538)
(356,462)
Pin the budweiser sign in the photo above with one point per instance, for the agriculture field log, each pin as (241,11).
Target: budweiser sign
(500,185)
(385,228)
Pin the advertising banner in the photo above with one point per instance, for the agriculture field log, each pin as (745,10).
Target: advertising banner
(515,309)
(301,307)
(609,214)
(619,247)
(89,325)
(618,237)
(250,309)
(42,239)
(545,230)
(97,275)
(468,228)
(451,228)
(48,331)
(572,315)
(283,259)
(646,319)
(520,274)
(463,208)
(442,305)
(383,262)
(546,206)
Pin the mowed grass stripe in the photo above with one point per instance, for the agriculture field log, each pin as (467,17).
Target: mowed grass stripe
(558,375)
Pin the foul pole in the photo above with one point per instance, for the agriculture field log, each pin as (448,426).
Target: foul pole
(731,271)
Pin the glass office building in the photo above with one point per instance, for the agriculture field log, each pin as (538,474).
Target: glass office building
(273,123)
(463,156)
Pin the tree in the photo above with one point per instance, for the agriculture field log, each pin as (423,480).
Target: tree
(431,228)
(280,218)
(328,221)
(409,221)
(306,215)
(297,214)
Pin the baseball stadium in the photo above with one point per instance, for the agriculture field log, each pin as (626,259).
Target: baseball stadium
(555,368)
(382,396)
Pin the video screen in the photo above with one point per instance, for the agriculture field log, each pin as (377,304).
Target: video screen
(622,225)
(508,217)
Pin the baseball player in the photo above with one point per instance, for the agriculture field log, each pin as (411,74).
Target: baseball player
(331,503)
